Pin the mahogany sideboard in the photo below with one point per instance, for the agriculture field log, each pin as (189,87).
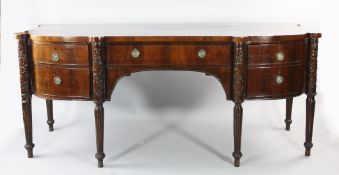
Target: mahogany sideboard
(251,61)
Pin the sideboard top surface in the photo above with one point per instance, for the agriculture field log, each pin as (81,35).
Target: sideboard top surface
(168,31)
(174,29)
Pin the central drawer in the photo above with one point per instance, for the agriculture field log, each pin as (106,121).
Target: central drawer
(162,54)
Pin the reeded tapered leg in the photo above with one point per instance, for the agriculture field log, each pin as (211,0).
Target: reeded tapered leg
(288,120)
(50,120)
(99,125)
(27,116)
(237,126)
(310,103)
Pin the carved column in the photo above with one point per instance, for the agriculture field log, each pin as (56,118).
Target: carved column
(50,120)
(26,93)
(238,98)
(311,91)
(98,68)
(288,120)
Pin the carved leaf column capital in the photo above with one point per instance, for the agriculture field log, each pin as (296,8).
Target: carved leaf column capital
(24,66)
(98,69)
(238,72)
(312,66)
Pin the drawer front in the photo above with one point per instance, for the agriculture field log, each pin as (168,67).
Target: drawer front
(263,54)
(61,82)
(274,82)
(60,53)
(169,54)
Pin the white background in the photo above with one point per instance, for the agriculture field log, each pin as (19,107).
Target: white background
(169,122)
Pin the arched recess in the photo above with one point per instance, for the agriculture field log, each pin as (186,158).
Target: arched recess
(114,74)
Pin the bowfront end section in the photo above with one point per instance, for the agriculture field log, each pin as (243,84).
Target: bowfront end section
(276,69)
(61,70)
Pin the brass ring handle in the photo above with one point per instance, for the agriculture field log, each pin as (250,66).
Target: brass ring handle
(135,53)
(202,53)
(279,79)
(55,57)
(280,56)
(57,80)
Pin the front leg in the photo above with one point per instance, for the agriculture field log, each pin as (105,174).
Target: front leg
(237,127)
(310,103)
(99,126)
(27,117)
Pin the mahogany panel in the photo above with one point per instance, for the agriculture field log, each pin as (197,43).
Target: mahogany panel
(264,54)
(75,82)
(162,54)
(66,53)
(262,81)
